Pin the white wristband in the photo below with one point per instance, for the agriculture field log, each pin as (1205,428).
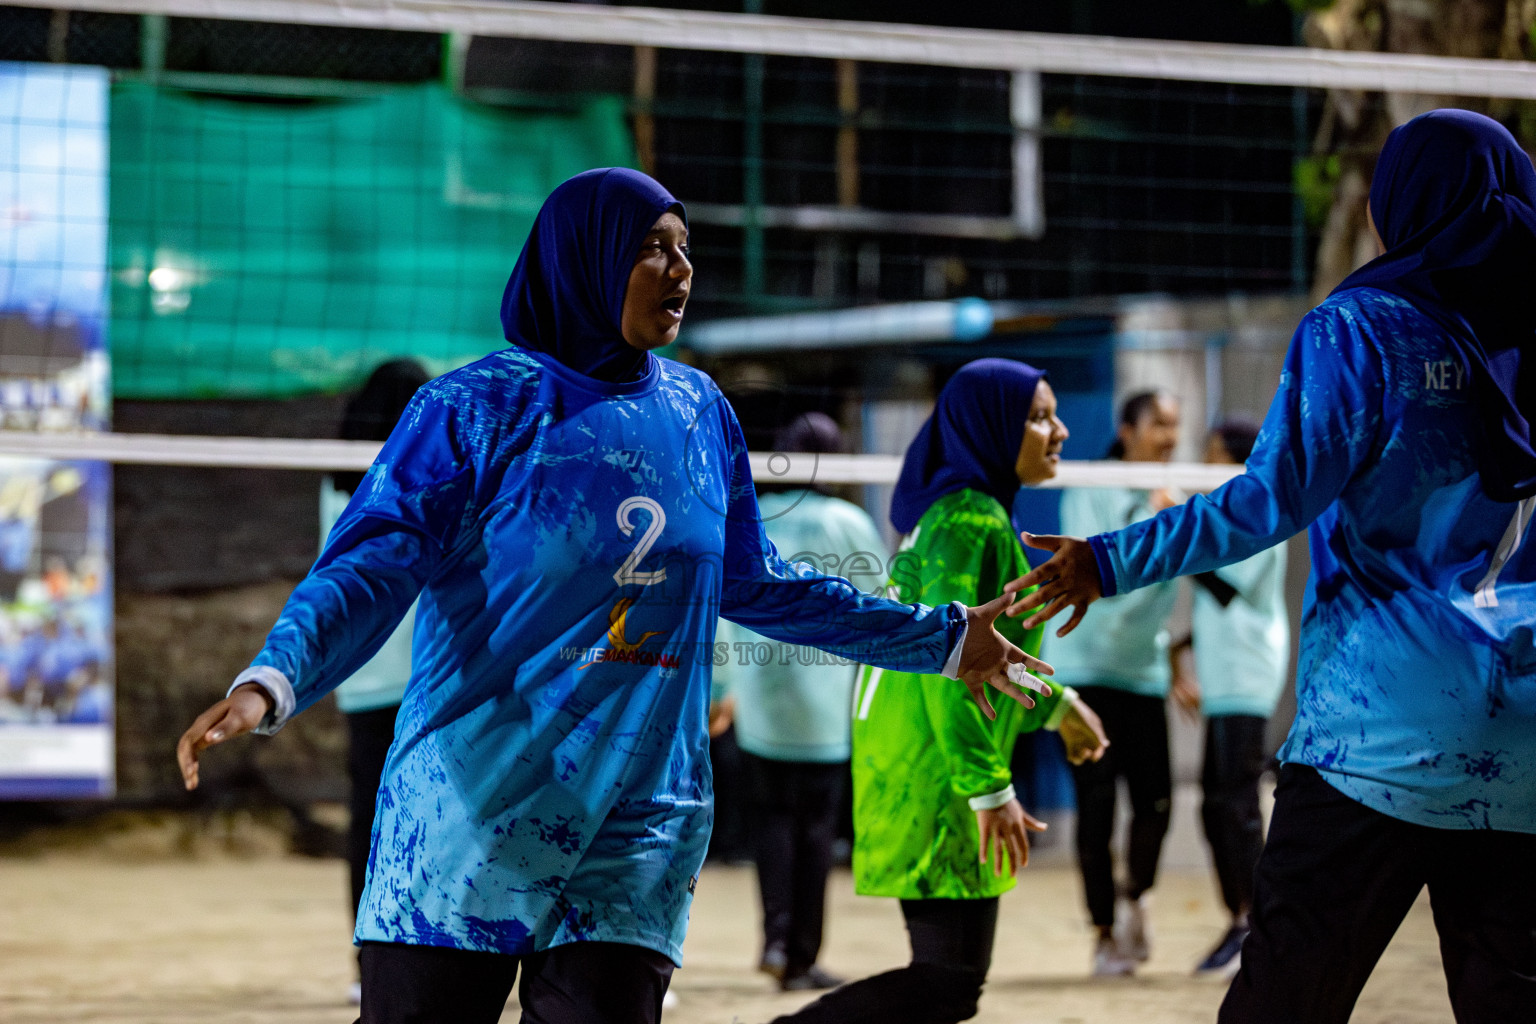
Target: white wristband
(952,663)
(991,801)
(1069,697)
(277,687)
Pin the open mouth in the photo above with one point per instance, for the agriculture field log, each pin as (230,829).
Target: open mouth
(674,305)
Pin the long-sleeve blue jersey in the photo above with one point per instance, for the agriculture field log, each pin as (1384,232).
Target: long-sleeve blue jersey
(1416,685)
(572,543)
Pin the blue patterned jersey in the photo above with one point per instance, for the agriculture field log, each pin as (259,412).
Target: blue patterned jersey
(1416,686)
(572,542)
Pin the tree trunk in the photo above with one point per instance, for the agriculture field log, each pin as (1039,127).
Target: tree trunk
(1354,124)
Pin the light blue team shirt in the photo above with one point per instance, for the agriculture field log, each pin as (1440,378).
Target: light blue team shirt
(1242,651)
(795,703)
(381,682)
(1416,687)
(573,543)
(1124,643)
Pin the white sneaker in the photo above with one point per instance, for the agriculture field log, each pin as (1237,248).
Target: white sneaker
(1109,962)
(355,994)
(1135,931)
(669,1000)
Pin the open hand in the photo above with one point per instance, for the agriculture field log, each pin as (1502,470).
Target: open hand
(1006,829)
(238,713)
(988,657)
(1068,579)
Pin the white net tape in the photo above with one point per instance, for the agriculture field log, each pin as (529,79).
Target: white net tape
(868,41)
(767,467)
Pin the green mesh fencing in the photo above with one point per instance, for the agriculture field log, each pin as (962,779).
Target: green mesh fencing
(269,249)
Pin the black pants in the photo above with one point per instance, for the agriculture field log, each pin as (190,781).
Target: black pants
(728,840)
(581,983)
(792,814)
(1234,828)
(1336,879)
(1137,728)
(369,734)
(951,954)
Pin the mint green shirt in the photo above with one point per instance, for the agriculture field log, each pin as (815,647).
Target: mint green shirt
(1123,643)
(380,683)
(792,703)
(1242,650)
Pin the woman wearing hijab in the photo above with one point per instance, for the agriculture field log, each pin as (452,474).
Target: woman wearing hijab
(936,823)
(1401,435)
(574,514)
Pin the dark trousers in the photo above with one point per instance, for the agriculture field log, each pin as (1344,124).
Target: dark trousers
(1137,728)
(1336,879)
(792,815)
(580,983)
(369,734)
(1234,828)
(951,954)
(728,840)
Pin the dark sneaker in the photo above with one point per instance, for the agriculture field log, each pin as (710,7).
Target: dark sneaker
(1226,957)
(773,962)
(814,979)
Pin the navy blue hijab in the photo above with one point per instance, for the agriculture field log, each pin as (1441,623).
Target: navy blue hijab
(971,440)
(565,297)
(1454,200)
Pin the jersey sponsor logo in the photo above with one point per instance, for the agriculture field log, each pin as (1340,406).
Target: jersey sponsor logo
(616,647)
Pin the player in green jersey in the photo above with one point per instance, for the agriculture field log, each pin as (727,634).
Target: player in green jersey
(936,821)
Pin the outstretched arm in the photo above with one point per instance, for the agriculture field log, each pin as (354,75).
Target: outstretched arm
(1320,428)
(792,602)
(379,556)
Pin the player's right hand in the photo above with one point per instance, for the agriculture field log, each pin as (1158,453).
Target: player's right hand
(988,657)
(238,713)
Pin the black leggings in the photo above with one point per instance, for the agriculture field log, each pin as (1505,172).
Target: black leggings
(793,820)
(369,734)
(1137,728)
(951,954)
(1234,760)
(580,983)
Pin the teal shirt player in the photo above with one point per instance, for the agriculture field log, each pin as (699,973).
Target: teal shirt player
(1242,651)
(797,705)
(1124,643)
(380,683)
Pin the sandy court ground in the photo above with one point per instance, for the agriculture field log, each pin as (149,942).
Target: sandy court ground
(264,941)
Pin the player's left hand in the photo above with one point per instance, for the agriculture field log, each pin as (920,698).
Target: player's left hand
(1068,579)
(988,657)
(1006,829)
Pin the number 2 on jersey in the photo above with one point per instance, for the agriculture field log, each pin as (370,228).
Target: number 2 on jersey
(626,573)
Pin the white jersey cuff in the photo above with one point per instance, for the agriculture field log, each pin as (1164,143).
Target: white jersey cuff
(952,663)
(991,801)
(278,688)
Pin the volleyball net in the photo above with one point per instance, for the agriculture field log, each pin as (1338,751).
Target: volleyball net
(289,192)
(217,217)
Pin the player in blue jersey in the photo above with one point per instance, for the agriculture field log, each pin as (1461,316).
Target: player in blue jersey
(574,515)
(1401,435)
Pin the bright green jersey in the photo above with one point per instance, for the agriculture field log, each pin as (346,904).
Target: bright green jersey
(921,747)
